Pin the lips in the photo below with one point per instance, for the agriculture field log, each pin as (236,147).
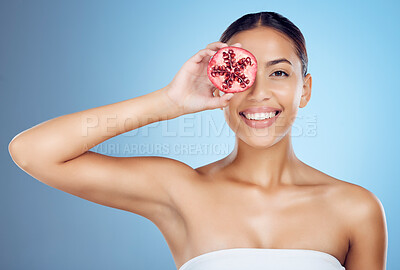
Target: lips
(260,123)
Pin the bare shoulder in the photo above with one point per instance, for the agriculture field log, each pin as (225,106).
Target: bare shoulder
(353,202)
(357,199)
(363,207)
(363,214)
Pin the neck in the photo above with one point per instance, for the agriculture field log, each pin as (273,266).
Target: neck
(268,168)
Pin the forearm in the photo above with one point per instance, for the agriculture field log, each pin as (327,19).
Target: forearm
(66,137)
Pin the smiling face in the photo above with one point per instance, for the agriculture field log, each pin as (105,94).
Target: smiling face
(278,85)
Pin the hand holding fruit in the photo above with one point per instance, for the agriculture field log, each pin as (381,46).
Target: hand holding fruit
(191,90)
(232,69)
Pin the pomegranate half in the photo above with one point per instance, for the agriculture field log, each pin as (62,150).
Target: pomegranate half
(232,69)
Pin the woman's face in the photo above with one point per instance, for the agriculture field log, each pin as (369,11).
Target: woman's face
(280,86)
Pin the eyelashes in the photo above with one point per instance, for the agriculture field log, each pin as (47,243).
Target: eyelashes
(280,72)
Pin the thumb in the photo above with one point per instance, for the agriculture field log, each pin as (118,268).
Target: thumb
(218,102)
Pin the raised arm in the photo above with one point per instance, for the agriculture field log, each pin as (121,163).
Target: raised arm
(56,152)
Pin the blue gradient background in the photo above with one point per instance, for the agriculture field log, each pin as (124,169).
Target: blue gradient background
(59,57)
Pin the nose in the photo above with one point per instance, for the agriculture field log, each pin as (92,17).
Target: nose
(259,91)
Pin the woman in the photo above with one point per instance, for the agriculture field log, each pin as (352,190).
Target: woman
(258,208)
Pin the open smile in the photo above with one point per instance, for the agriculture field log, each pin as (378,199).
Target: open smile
(261,117)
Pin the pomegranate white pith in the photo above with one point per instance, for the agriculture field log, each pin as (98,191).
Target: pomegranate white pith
(232,69)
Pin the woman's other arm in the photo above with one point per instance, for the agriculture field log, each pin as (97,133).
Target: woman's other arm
(369,238)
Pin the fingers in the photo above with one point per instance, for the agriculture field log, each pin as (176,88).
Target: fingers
(218,102)
(215,46)
(200,55)
(236,45)
(210,50)
(227,96)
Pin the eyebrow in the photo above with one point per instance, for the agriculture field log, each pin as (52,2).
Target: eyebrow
(277,61)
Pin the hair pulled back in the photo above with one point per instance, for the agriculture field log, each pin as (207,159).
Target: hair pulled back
(275,21)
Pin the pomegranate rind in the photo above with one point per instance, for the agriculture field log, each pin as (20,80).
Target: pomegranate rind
(249,70)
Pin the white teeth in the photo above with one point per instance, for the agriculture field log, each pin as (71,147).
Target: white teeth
(259,116)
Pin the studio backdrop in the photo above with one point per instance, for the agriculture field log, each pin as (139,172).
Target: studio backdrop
(60,57)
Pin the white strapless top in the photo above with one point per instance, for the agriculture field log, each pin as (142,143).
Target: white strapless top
(263,259)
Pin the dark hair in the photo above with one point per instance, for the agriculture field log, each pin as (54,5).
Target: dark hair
(275,21)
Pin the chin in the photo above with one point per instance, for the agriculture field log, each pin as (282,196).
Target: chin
(260,139)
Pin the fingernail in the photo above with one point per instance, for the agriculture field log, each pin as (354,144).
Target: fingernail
(229,96)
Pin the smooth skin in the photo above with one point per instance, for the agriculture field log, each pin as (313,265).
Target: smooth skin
(259,196)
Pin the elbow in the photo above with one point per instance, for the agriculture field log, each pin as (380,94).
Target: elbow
(18,152)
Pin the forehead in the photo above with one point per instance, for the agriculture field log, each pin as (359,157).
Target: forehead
(267,44)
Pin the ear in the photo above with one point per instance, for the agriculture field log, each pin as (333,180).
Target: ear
(306,93)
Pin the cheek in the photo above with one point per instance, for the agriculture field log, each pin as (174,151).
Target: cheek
(288,93)
(290,100)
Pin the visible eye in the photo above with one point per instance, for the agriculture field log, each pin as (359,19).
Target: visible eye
(280,72)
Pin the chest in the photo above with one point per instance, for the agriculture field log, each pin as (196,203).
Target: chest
(261,219)
(218,218)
